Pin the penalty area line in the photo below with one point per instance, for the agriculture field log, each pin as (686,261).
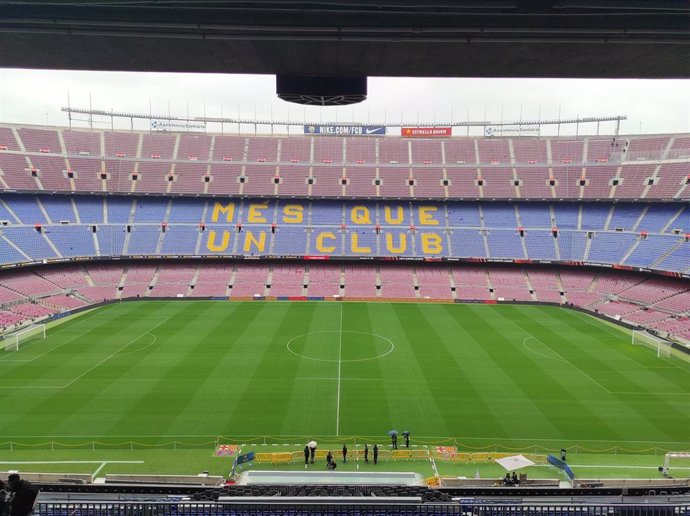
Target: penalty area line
(433,465)
(561,357)
(59,387)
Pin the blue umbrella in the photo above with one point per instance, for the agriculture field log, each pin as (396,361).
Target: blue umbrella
(393,432)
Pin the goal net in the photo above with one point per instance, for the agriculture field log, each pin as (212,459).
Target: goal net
(22,337)
(677,459)
(660,346)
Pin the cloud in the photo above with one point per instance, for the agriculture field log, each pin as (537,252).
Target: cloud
(652,106)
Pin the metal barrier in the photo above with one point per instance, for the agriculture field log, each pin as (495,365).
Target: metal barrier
(353,507)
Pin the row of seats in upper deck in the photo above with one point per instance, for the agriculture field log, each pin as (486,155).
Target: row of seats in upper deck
(319,149)
(63,160)
(41,173)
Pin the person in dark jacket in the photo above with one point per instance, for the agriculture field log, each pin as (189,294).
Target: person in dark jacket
(306,454)
(4,504)
(344,453)
(329,457)
(376,454)
(366,452)
(23,495)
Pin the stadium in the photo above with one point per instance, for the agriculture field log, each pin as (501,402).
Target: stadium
(188,309)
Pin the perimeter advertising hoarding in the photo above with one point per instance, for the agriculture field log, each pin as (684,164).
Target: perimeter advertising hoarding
(346,130)
(426,132)
(170,125)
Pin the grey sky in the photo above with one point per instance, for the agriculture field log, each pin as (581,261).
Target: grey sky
(652,106)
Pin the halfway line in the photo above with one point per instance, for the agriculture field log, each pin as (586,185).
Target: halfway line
(340,351)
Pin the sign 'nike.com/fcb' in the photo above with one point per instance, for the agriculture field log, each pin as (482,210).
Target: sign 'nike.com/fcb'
(346,130)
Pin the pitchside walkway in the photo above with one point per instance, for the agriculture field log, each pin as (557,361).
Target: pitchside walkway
(330,478)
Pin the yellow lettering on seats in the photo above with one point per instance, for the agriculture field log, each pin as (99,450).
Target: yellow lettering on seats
(399,216)
(360,215)
(402,244)
(355,245)
(319,242)
(250,240)
(211,242)
(293,213)
(255,214)
(432,243)
(426,217)
(228,210)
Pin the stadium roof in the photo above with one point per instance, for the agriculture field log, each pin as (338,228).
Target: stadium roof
(438,38)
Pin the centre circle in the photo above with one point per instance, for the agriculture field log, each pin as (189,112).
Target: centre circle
(351,346)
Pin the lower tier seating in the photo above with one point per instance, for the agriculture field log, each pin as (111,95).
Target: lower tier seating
(35,293)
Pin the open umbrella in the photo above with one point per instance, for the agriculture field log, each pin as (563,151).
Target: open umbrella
(515,462)
(311,444)
(393,432)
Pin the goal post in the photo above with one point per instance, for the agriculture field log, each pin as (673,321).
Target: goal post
(678,459)
(660,346)
(20,338)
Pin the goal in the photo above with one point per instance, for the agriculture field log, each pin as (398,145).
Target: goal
(20,338)
(681,459)
(661,346)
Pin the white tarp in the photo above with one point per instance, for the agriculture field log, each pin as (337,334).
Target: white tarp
(515,462)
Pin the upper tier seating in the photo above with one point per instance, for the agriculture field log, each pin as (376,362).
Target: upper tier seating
(36,159)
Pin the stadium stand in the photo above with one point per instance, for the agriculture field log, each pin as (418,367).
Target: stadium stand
(536,167)
(659,303)
(75,194)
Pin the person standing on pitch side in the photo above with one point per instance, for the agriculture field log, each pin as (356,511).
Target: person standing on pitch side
(312,450)
(376,454)
(344,453)
(366,452)
(306,454)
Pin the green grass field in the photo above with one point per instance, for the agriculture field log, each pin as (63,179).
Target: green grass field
(504,377)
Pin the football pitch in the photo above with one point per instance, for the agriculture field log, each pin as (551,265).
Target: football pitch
(509,377)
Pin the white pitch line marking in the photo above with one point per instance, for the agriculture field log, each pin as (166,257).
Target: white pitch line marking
(113,354)
(433,465)
(622,467)
(147,332)
(340,354)
(98,470)
(421,438)
(524,343)
(293,339)
(652,393)
(43,354)
(72,462)
(357,379)
(561,357)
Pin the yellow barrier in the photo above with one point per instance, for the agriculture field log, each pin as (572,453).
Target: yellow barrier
(474,457)
(264,458)
(536,458)
(282,458)
(433,481)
